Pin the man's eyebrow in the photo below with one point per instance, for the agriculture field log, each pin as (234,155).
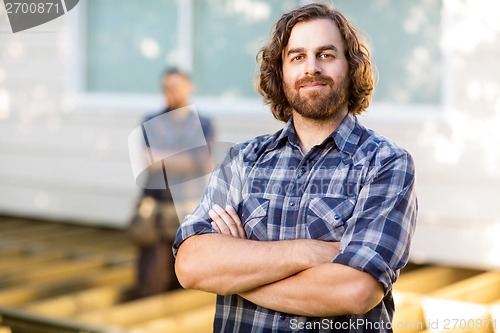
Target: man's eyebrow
(330,47)
(295,50)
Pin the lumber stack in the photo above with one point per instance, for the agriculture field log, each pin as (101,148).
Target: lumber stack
(447,299)
(61,278)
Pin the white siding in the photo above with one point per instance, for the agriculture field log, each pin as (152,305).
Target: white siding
(65,160)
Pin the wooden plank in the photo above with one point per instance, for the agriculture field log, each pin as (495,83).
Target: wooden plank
(409,315)
(13,224)
(22,260)
(116,241)
(19,258)
(4,329)
(94,238)
(428,279)
(151,308)
(455,316)
(195,321)
(47,271)
(76,303)
(83,242)
(88,248)
(24,322)
(10,251)
(72,239)
(462,305)
(495,316)
(76,240)
(483,289)
(7,250)
(59,285)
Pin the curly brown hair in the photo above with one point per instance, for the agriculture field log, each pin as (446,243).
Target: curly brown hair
(269,83)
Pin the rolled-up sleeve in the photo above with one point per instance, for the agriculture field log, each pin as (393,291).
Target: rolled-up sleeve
(378,235)
(224,188)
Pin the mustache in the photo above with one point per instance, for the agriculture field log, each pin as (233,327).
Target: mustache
(319,79)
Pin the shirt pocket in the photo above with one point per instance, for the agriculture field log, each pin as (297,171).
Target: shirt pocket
(254,217)
(327,216)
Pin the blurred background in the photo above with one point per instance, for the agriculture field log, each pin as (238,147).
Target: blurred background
(73,89)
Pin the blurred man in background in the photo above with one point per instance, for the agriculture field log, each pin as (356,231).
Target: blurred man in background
(167,134)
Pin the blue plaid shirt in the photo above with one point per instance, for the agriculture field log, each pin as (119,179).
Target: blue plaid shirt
(356,187)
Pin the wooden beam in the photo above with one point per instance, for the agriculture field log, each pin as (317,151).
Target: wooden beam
(151,308)
(483,289)
(428,279)
(73,304)
(195,321)
(59,285)
(24,322)
(48,271)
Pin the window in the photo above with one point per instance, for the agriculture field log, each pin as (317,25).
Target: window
(403,37)
(129,43)
(227,36)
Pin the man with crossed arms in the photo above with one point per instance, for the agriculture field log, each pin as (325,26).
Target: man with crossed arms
(318,217)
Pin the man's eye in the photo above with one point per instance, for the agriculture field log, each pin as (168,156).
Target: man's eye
(326,55)
(296,58)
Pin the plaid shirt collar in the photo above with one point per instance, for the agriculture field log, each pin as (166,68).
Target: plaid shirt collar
(346,136)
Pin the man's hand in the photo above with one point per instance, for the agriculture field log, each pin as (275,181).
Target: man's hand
(293,293)
(226,222)
(228,263)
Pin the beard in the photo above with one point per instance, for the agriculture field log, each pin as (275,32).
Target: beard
(318,105)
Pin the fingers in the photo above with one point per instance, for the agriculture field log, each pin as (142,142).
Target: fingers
(226,222)
(218,221)
(232,213)
(214,225)
(223,221)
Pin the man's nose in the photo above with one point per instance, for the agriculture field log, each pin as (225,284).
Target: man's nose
(312,66)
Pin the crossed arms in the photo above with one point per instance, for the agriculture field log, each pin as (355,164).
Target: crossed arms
(306,277)
(292,276)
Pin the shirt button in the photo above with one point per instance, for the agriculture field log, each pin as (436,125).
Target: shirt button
(303,170)
(337,216)
(282,317)
(292,203)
